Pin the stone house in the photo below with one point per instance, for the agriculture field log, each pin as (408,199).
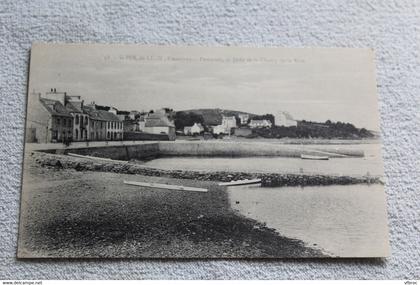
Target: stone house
(104,125)
(196,129)
(141,121)
(114,127)
(48,120)
(260,124)
(243,118)
(157,123)
(80,118)
(187,130)
(228,123)
(96,124)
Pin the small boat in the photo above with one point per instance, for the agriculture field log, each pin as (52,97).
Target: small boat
(165,186)
(240,182)
(313,157)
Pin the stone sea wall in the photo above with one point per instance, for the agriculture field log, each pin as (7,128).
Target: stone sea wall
(268,179)
(117,152)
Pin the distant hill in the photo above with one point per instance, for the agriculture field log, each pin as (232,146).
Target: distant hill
(214,116)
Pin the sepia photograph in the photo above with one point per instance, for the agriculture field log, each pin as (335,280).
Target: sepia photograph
(135,151)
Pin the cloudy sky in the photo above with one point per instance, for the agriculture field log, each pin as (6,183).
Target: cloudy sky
(311,84)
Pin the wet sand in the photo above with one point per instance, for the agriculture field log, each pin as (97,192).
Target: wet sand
(344,220)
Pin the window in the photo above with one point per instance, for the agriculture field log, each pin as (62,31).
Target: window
(58,121)
(77,134)
(77,119)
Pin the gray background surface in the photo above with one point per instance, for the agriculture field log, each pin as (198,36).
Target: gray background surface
(390,27)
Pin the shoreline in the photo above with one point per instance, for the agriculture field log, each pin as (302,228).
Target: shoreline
(107,221)
(66,215)
(268,179)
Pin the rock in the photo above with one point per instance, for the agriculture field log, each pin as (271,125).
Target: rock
(97,166)
(78,167)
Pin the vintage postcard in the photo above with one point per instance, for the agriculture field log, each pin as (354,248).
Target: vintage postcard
(201,152)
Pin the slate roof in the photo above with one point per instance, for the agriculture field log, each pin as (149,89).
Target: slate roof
(93,113)
(72,108)
(55,107)
(100,115)
(108,116)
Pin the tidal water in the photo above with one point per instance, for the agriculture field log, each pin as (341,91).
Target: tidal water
(345,221)
(371,163)
(342,220)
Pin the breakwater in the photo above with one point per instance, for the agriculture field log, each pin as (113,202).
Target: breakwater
(268,179)
(143,151)
(148,150)
(244,149)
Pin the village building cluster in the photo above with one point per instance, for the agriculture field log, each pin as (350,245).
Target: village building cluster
(241,125)
(60,117)
(56,116)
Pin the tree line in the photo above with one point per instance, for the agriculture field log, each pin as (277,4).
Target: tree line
(307,129)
